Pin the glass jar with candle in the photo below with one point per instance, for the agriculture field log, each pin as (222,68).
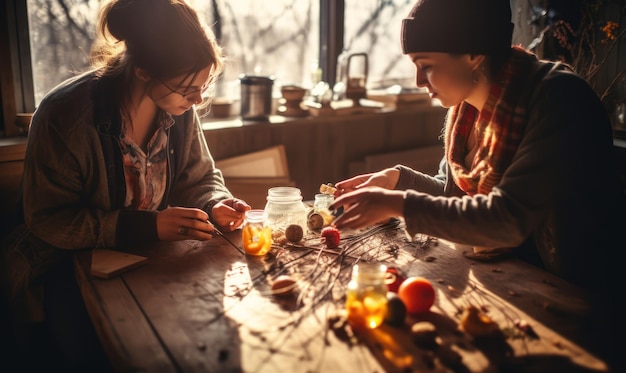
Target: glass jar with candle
(285,207)
(256,236)
(366,296)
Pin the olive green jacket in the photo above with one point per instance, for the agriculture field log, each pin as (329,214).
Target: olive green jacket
(73,184)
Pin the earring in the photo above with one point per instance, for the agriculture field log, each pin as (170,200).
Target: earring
(475,76)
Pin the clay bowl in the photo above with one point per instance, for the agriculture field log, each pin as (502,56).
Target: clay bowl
(292,92)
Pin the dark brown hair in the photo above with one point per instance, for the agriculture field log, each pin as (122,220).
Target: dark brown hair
(165,38)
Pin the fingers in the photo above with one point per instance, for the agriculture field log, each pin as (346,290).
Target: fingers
(344,200)
(236,204)
(229,214)
(179,223)
(367,206)
(346,186)
(196,229)
(351,218)
(345,208)
(188,213)
(240,205)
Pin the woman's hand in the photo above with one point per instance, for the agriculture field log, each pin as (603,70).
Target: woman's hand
(229,213)
(181,223)
(367,206)
(387,179)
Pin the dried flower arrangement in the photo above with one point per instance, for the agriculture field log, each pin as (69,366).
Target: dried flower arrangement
(591,46)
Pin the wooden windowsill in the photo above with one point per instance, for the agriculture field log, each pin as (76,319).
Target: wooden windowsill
(235,121)
(12,148)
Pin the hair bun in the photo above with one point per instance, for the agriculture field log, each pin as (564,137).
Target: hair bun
(164,37)
(124,17)
(118,17)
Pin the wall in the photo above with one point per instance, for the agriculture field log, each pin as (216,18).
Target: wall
(320,150)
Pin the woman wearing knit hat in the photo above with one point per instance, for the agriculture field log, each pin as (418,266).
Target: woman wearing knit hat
(528,165)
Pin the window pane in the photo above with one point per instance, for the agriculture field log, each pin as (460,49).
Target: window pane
(280,40)
(61,32)
(373,27)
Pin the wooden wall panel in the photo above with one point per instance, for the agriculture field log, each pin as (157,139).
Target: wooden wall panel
(320,149)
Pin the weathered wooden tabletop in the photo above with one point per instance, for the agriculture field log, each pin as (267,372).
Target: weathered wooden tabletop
(206,307)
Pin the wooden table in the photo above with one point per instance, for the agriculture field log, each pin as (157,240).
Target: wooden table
(206,307)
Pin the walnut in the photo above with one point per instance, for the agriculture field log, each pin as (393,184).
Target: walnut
(294,233)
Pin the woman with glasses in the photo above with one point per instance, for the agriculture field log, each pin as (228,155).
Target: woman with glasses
(116,158)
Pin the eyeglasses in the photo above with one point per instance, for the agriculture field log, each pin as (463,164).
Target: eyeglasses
(187,91)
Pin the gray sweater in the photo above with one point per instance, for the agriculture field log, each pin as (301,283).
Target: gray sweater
(561,196)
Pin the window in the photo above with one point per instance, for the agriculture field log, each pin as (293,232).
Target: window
(60,34)
(373,27)
(289,39)
(280,40)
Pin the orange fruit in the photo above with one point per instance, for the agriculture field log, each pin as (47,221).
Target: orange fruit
(256,241)
(417,294)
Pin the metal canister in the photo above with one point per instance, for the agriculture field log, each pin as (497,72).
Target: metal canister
(256,96)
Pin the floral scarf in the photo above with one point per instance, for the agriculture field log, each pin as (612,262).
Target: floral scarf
(499,127)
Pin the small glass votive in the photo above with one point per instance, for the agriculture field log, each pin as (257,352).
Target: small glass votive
(321,206)
(366,296)
(256,236)
(323,201)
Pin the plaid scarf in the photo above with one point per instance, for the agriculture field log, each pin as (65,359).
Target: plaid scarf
(499,127)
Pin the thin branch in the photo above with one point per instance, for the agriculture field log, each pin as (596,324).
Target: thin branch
(616,79)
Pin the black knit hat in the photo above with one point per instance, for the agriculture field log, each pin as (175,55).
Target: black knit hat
(458,26)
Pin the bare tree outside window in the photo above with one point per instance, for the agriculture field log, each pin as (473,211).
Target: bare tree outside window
(373,27)
(61,33)
(277,37)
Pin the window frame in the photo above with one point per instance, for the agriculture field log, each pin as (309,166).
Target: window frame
(16,79)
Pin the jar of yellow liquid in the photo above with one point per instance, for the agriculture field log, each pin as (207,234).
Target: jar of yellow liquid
(366,296)
(256,236)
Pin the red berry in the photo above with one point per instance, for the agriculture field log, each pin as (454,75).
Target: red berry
(331,237)
(393,278)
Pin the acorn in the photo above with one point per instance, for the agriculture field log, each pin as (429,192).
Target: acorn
(284,286)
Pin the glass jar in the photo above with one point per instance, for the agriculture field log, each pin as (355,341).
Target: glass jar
(321,206)
(366,296)
(285,207)
(256,236)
